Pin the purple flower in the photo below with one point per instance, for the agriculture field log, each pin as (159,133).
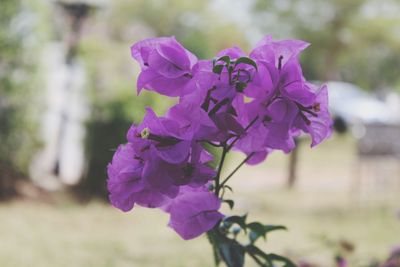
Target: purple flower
(163,135)
(215,95)
(272,127)
(168,158)
(193,121)
(315,118)
(194,172)
(146,179)
(166,65)
(278,53)
(312,104)
(134,180)
(194,212)
(253,142)
(280,72)
(263,82)
(255,104)
(340,261)
(233,52)
(284,102)
(395,251)
(124,177)
(394,258)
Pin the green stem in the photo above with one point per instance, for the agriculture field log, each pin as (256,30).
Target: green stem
(225,149)
(236,169)
(219,170)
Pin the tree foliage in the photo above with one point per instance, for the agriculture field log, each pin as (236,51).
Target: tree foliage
(355,41)
(16,71)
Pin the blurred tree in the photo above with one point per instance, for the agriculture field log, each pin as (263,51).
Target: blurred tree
(355,41)
(200,29)
(16,99)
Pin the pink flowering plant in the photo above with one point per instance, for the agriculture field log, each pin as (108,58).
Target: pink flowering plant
(254,104)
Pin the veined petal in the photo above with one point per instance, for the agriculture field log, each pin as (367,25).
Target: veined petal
(194,213)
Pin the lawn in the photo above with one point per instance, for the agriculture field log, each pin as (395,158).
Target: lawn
(323,209)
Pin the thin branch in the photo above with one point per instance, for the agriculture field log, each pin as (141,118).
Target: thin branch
(237,168)
(219,170)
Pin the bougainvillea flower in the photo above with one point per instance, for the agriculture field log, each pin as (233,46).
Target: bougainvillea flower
(263,82)
(194,212)
(253,143)
(233,52)
(315,118)
(277,52)
(215,96)
(134,180)
(193,122)
(162,135)
(275,122)
(255,104)
(283,99)
(202,81)
(169,156)
(124,177)
(195,172)
(293,86)
(166,65)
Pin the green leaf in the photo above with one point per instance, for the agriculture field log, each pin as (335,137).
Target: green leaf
(239,220)
(256,252)
(246,60)
(214,241)
(230,203)
(253,236)
(269,258)
(225,59)
(226,249)
(257,227)
(240,86)
(286,262)
(270,228)
(261,230)
(257,230)
(232,253)
(217,69)
(228,187)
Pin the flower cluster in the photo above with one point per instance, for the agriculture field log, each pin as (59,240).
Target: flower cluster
(252,103)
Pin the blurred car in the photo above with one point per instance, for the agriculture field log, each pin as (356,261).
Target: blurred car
(350,105)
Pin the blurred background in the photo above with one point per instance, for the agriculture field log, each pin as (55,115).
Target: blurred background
(68,96)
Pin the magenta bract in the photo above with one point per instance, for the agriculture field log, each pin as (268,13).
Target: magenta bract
(254,104)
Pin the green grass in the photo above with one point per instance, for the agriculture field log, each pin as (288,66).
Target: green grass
(321,209)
